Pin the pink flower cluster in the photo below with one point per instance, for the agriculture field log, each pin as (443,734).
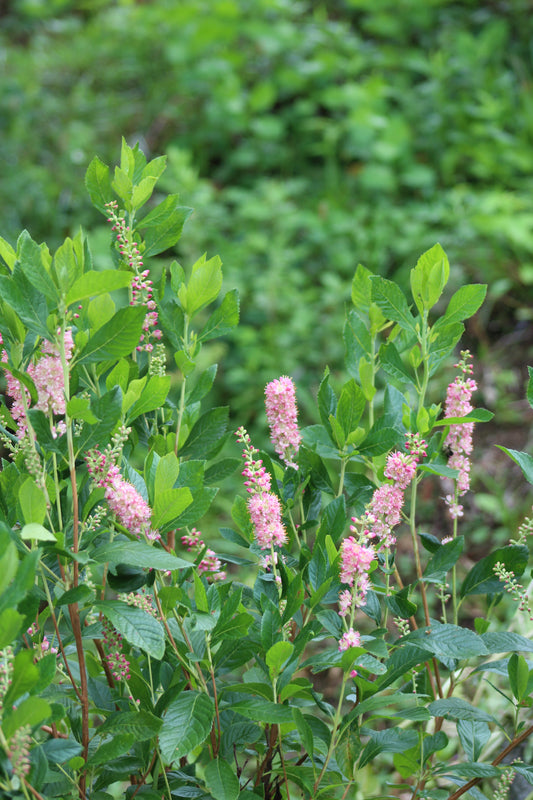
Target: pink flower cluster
(459,438)
(381,516)
(141,285)
(47,375)
(131,510)
(263,505)
(281,411)
(384,510)
(210,565)
(116,660)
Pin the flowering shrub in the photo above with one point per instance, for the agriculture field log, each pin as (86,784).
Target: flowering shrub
(135,661)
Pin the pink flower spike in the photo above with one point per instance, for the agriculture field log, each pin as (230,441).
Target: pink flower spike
(350,639)
(281,411)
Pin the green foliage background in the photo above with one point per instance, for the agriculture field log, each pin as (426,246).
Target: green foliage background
(310,136)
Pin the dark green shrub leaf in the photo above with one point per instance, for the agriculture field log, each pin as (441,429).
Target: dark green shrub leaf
(138,627)
(186,724)
(481,578)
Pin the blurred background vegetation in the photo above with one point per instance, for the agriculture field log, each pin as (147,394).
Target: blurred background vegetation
(308,135)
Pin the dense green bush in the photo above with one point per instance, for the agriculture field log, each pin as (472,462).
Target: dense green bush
(324,134)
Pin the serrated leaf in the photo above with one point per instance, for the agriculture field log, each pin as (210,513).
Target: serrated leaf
(391,740)
(204,440)
(139,554)
(263,711)
(186,724)
(98,184)
(95,282)
(30,259)
(455,708)
(524,461)
(32,501)
(116,338)
(137,626)
(482,580)
(32,711)
(162,227)
(443,560)
(465,302)
(142,724)
(223,319)
(221,780)
(391,300)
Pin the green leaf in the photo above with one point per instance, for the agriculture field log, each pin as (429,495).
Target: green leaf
(221,780)
(362,289)
(143,191)
(465,302)
(524,461)
(109,751)
(30,306)
(204,285)
(350,407)
(95,282)
(37,533)
(379,440)
(263,711)
(443,560)
(204,440)
(357,343)
(152,396)
(169,505)
(223,319)
(474,735)
(79,408)
(200,594)
(391,300)
(32,711)
(139,554)
(452,641)
(30,258)
(162,227)
(8,566)
(472,770)
(137,626)
(32,501)
(7,253)
(506,642)
(455,708)
(98,185)
(392,363)
(391,740)
(10,624)
(186,724)
(116,338)
(518,672)
(476,415)
(66,264)
(142,724)
(481,578)
(276,657)
(25,676)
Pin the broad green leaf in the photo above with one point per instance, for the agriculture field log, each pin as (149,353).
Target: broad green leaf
(221,780)
(96,282)
(223,319)
(524,461)
(392,363)
(137,626)
(204,285)
(455,708)
(518,672)
(200,594)
(122,184)
(357,343)
(476,415)
(30,258)
(506,642)
(116,338)
(8,565)
(392,302)
(169,505)
(79,408)
(152,396)
(465,302)
(362,289)
(10,623)
(442,344)
(166,473)
(32,711)
(402,661)
(276,657)
(452,641)
(391,740)
(30,306)
(98,184)
(142,724)
(32,501)
(25,676)
(110,750)
(206,436)
(139,554)
(133,393)
(7,253)
(474,735)
(443,560)
(186,724)
(58,751)
(263,711)
(482,580)
(143,191)
(350,407)
(162,227)
(66,265)
(472,770)
(380,440)
(37,533)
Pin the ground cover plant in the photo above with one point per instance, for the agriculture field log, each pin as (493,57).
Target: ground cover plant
(135,660)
